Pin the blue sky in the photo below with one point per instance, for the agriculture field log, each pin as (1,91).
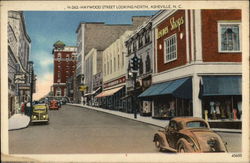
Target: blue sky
(47,27)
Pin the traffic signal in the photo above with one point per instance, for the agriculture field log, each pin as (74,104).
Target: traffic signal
(136,63)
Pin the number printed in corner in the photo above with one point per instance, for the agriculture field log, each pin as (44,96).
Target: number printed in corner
(237,155)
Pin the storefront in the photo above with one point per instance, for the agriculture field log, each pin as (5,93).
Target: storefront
(111,98)
(146,106)
(221,97)
(170,98)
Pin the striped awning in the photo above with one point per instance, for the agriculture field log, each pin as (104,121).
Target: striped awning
(109,92)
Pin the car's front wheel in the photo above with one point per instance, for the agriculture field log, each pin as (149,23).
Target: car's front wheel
(184,146)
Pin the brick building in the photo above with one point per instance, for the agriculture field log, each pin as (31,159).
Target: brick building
(64,67)
(197,64)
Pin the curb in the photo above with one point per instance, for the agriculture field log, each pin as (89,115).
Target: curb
(214,129)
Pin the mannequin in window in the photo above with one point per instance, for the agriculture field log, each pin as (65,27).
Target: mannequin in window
(212,110)
(228,109)
(217,109)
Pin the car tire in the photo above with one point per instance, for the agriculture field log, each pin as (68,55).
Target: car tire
(157,143)
(184,146)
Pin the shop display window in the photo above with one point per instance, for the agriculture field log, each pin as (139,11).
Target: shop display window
(222,107)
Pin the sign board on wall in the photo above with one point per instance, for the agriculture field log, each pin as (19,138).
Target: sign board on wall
(20,78)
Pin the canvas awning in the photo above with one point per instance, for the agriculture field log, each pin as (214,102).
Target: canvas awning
(109,92)
(221,85)
(181,88)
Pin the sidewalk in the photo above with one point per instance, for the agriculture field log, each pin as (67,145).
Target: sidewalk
(18,121)
(148,120)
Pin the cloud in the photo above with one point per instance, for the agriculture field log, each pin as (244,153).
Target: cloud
(43,85)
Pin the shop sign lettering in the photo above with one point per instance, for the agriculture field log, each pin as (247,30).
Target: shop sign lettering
(174,23)
(20,78)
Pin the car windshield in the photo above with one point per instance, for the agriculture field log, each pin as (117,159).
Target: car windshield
(196,124)
(39,108)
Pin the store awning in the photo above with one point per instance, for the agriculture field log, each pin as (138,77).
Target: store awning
(221,85)
(181,88)
(109,92)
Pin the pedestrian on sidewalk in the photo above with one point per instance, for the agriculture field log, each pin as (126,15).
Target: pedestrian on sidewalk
(22,107)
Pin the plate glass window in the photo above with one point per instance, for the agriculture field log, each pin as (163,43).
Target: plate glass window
(170,49)
(229,37)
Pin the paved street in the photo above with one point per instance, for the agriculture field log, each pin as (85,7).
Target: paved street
(78,130)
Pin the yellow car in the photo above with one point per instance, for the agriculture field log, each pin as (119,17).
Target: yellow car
(40,113)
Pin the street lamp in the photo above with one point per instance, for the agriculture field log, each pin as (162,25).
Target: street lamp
(134,64)
(82,83)
(31,74)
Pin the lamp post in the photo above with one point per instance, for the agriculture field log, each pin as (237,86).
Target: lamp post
(31,73)
(82,83)
(134,67)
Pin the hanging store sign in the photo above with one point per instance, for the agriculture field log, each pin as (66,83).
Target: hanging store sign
(24,88)
(20,78)
(83,88)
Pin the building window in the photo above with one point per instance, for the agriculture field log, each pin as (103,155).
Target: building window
(122,59)
(147,37)
(141,67)
(140,41)
(129,48)
(114,64)
(134,46)
(229,37)
(59,55)
(170,49)
(111,66)
(67,57)
(58,91)
(148,65)
(118,60)
(107,68)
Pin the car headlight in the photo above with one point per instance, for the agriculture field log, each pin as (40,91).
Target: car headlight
(34,116)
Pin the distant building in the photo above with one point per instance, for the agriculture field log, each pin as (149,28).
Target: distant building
(18,60)
(93,66)
(64,67)
(99,36)
(114,73)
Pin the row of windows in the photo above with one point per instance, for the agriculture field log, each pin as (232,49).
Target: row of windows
(142,40)
(59,55)
(228,41)
(113,64)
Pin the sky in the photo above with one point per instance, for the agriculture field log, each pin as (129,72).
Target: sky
(46,27)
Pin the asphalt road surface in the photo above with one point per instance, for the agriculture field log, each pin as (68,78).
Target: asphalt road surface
(80,131)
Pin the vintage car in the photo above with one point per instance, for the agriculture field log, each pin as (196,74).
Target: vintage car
(40,113)
(188,134)
(53,105)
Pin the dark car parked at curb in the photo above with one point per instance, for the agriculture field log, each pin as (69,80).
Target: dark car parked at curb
(188,134)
